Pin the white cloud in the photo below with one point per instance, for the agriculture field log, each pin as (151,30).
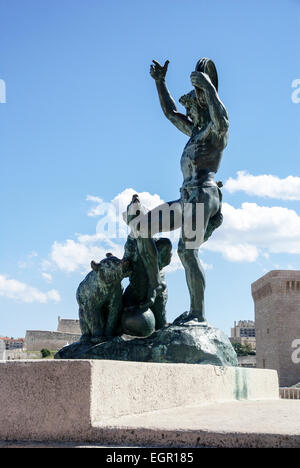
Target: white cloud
(236,253)
(252,230)
(96,210)
(33,254)
(265,186)
(177,265)
(46,265)
(47,277)
(22,292)
(29,262)
(73,255)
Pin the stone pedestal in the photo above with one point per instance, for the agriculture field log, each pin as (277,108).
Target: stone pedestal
(75,399)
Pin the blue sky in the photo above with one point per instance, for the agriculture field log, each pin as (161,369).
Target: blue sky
(82,119)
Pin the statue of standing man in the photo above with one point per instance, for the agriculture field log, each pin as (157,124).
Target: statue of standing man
(206,124)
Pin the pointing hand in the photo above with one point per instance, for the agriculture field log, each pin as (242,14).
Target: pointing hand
(157,71)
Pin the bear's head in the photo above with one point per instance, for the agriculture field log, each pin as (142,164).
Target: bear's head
(111,269)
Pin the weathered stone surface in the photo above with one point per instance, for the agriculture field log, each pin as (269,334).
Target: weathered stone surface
(193,343)
(276,297)
(87,400)
(35,340)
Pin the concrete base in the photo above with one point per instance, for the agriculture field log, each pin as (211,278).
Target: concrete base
(127,403)
(249,424)
(235,424)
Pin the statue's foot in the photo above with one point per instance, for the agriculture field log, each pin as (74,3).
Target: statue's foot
(191,318)
(196,318)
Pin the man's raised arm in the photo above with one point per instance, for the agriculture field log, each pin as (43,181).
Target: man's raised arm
(181,121)
(217,111)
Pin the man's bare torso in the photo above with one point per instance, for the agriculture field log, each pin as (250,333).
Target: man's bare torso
(202,154)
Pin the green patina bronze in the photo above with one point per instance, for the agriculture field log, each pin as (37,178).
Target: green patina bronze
(141,317)
(135,295)
(206,125)
(99,297)
(241,385)
(190,344)
(111,318)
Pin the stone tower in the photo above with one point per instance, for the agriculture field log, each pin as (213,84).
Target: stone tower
(276,297)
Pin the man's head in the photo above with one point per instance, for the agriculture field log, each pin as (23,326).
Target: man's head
(193,109)
(195,101)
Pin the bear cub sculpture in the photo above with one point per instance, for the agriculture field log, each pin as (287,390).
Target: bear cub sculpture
(99,297)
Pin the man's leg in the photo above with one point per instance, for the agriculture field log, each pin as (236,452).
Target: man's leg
(188,249)
(195,279)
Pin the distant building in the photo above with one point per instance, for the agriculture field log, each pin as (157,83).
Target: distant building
(276,297)
(68,326)
(68,331)
(12,343)
(2,350)
(243,332)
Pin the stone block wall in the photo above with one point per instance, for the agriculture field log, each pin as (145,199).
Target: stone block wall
(68,326)
(35,340)
(277,320)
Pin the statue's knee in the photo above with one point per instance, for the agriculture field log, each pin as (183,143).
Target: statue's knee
(182,252)
(188,257)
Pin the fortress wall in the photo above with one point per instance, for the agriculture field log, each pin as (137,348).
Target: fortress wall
(68,326)
(35,340)
(276,297)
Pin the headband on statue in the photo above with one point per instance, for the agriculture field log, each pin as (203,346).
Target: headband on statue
(207,66)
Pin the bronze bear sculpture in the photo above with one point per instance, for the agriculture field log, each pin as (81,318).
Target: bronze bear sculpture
(99,297)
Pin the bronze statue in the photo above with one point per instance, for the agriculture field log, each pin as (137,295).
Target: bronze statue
(104,313)
(206,125)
